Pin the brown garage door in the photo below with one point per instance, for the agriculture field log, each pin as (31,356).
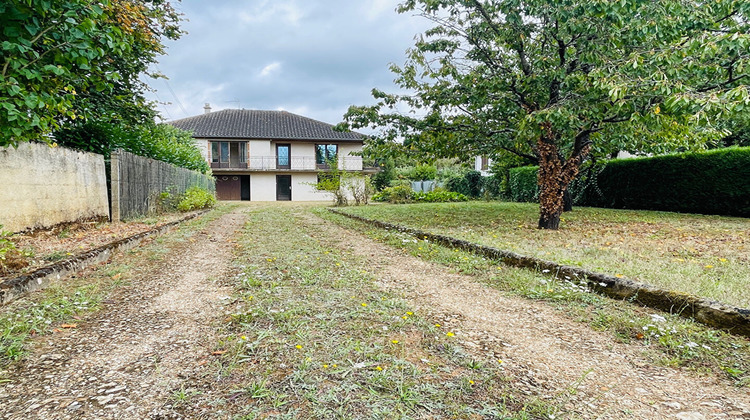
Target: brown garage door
(228,187)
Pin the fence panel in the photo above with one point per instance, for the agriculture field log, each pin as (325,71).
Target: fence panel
(137,183)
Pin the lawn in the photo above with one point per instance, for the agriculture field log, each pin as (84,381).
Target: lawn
(708,256)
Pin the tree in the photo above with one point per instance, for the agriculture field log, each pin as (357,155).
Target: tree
(70,59)
(557,80)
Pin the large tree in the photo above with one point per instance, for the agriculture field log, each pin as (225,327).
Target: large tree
(67,60)
(554,80)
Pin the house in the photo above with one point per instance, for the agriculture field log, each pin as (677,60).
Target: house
(270,155)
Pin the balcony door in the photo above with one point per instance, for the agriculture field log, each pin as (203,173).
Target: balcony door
(283,158)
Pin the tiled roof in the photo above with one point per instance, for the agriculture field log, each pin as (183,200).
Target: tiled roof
(255,124)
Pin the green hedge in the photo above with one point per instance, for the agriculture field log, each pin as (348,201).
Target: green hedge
(713,182)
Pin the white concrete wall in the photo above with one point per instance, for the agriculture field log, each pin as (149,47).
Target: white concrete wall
(263,187)
(41,186)
(303,189)
(202,145)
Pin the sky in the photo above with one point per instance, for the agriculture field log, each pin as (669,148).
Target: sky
(311,57)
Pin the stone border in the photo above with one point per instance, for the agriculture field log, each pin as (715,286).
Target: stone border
(706,311)
(15,287)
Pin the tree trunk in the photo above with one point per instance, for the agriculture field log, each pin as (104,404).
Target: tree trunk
(567,201)
(555,174)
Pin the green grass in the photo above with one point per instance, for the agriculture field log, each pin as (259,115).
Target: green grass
(665,339)
(312,336)
(708,256)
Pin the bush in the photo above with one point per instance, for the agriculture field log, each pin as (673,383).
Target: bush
(11,259)
(196,198)
(439,196)
(713,182)
(523,184)
(397,195)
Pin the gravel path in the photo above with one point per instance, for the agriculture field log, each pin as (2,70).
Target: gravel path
(548,353)
(128,359)
(155,336)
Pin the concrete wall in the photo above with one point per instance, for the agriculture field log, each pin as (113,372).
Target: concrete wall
(302,190)
(202,145)
(263,187)
(41,186)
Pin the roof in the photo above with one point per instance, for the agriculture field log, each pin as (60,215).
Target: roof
(256,124)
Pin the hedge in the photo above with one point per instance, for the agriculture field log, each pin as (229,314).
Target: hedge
(712,182)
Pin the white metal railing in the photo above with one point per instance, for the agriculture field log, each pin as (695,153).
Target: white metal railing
(300,163)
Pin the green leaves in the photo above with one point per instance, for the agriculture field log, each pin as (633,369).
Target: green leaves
(76,58)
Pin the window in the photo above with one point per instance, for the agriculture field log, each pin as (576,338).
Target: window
(485,163)
(282,156)
(243,152)
(224,152)
(215,152)
(325,153)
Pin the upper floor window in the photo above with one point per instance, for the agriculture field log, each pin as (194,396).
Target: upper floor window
(227,154)
(325,153)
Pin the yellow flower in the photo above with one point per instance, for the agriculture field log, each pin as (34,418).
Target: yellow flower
(244,338)
(619,276)
(723,259)
(709,266)
(437,325)
(298,346)
(410,313)
(471,382)
(500,361)
(325,366)
(405,317)
(394,341)
(449,334)
(364,304)
(335,365)
(378,368)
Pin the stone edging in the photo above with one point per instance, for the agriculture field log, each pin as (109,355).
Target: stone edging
(706,311)
(16,287)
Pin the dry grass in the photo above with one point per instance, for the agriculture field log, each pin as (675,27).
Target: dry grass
(707,256)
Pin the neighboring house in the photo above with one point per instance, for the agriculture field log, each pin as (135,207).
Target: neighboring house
(270,155)
(482,164)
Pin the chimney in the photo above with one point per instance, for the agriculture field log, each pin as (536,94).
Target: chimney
(207,108)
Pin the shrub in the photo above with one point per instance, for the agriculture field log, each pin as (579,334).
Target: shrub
(439,196)
(398,194)
(383,178)
(196,198)
(713,182)
(11,259)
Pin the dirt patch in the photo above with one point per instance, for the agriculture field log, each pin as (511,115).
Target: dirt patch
(129,360)
(43,247)
(545,351)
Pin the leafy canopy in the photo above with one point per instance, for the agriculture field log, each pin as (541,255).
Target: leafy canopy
(636,75)
(64,60)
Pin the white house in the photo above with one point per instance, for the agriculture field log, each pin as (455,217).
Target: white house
(482,164)
(270,155)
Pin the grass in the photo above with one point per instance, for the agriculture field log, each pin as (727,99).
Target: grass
(312,336)
(667,340)
(65,303)
(708,256)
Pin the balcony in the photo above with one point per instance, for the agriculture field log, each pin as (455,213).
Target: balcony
(294,163)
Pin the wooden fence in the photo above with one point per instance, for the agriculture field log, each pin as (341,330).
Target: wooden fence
(137,183)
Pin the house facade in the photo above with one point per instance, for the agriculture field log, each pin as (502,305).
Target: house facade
(270,155)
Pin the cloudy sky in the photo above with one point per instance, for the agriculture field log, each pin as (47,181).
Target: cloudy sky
(311,57)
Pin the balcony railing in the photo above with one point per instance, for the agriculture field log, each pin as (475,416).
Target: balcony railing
(294,163)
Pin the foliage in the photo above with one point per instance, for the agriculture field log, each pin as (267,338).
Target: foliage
(421,172)
(558,80)
(386,174)
(468,183)
(396,195)
(523,184)
(404,194)
(157,141)
(439,196)
(71,59)
(11,258)
(196,198)
(711,182)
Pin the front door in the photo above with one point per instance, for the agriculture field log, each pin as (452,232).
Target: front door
(283,188)
(245,187)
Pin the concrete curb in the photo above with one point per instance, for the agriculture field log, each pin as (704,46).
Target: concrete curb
(15,287)
(706,311)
